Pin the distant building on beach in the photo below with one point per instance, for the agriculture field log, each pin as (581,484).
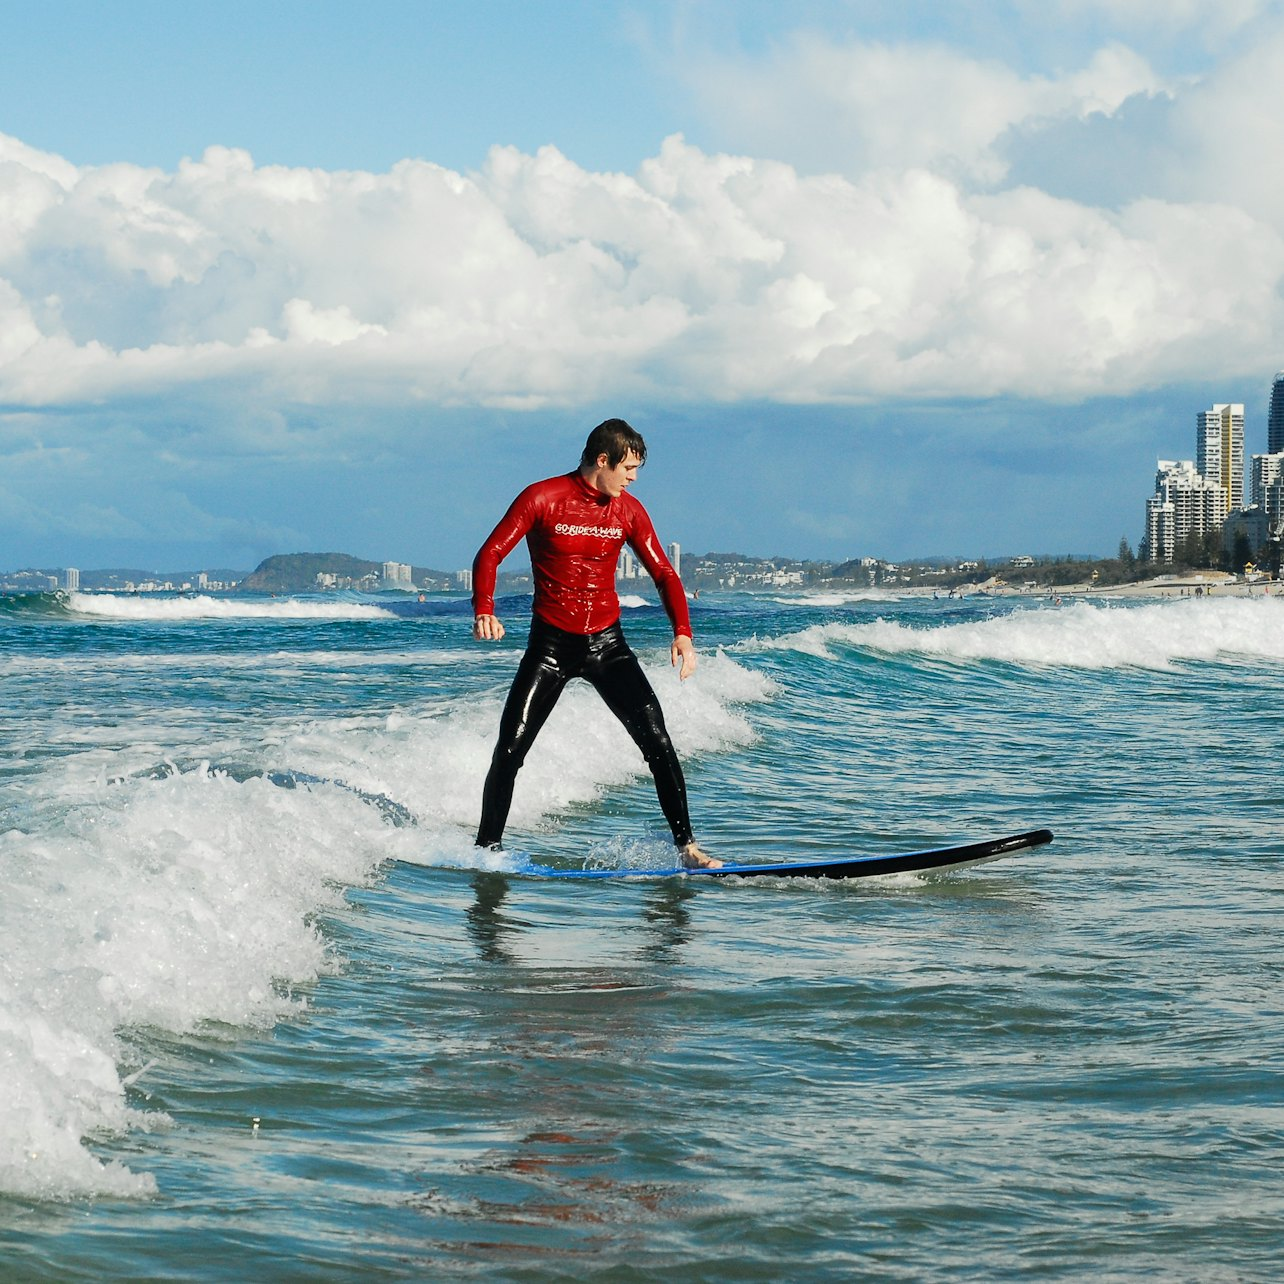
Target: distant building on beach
(1266,486)
(1185,503)
(1195,497)
(1219,443)
(397,575)
(71,579)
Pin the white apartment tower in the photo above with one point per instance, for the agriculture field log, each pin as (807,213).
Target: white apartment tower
(675,556)
(397,575)
(1184,503)
(71,579)
(1219,442)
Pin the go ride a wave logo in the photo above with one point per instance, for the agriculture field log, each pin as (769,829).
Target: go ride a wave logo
(603,532)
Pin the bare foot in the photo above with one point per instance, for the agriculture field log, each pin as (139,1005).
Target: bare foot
(694,858)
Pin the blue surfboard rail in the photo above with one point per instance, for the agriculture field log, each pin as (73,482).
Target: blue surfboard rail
(939,858)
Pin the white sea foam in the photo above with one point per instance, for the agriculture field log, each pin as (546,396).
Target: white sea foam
(633,601)
(436,764)
(1083,635)
(171,900)
(160,903)
(111,606)
(272,661)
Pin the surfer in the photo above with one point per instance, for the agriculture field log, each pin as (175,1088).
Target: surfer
(575,526)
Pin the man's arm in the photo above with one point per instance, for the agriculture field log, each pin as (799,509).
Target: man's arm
(499,543)
(646,544)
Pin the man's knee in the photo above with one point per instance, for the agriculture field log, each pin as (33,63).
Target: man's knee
(509,757)
(652,737)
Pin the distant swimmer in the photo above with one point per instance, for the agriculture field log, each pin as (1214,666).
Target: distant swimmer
(575,526)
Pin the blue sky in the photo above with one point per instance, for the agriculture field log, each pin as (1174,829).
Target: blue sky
(873,278)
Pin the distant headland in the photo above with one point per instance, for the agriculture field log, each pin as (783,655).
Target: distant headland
(317,572)
(290,573)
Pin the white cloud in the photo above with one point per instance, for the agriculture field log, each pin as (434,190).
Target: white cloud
(1228,132)
(1214,137)
(537,282)
(320,325)
(856,106)
(1211,20)
(19,333)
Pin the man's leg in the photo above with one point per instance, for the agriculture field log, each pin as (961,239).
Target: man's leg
(619,679)
(531,698)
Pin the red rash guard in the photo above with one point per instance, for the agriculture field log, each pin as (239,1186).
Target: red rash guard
(575,534)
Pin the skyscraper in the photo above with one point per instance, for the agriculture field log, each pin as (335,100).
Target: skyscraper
(1268,486)
(1220,445)
(397,575)
(1275,417)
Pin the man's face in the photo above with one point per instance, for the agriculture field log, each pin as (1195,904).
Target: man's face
(614,481)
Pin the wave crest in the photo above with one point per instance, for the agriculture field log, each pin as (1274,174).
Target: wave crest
(1084,635)
(110,606)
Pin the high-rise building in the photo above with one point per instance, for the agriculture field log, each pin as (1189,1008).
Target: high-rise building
(1219,444)
(1185,503)
(675,556)
(628,566)
(1275,417)
(71,579)
(1267,486)
(397,575)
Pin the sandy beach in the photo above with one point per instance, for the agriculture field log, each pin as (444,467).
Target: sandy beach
(1195,584)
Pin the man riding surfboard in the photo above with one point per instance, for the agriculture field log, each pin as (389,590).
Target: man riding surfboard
(575,526)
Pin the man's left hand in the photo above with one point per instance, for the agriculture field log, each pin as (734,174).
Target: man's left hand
(683,650)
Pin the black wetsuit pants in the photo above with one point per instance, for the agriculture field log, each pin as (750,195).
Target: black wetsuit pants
(553,657)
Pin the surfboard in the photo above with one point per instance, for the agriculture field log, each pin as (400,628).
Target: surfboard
(939,858)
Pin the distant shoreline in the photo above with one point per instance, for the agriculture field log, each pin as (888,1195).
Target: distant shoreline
(1211,583)
(1192,584)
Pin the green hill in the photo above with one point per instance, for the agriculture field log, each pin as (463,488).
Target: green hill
(299,572)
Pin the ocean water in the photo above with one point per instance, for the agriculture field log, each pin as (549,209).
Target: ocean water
(266,1014)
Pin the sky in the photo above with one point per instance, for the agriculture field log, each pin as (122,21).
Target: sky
(873,279)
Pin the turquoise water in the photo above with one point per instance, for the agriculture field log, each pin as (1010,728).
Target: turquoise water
(265,1013)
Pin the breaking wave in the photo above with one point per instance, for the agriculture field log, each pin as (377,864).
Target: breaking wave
(1083,635)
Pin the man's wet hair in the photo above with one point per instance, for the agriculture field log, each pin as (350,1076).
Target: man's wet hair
(613,438)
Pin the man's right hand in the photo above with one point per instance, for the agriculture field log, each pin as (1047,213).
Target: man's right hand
(487,628)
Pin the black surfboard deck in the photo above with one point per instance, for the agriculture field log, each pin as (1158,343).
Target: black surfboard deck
(940,858)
